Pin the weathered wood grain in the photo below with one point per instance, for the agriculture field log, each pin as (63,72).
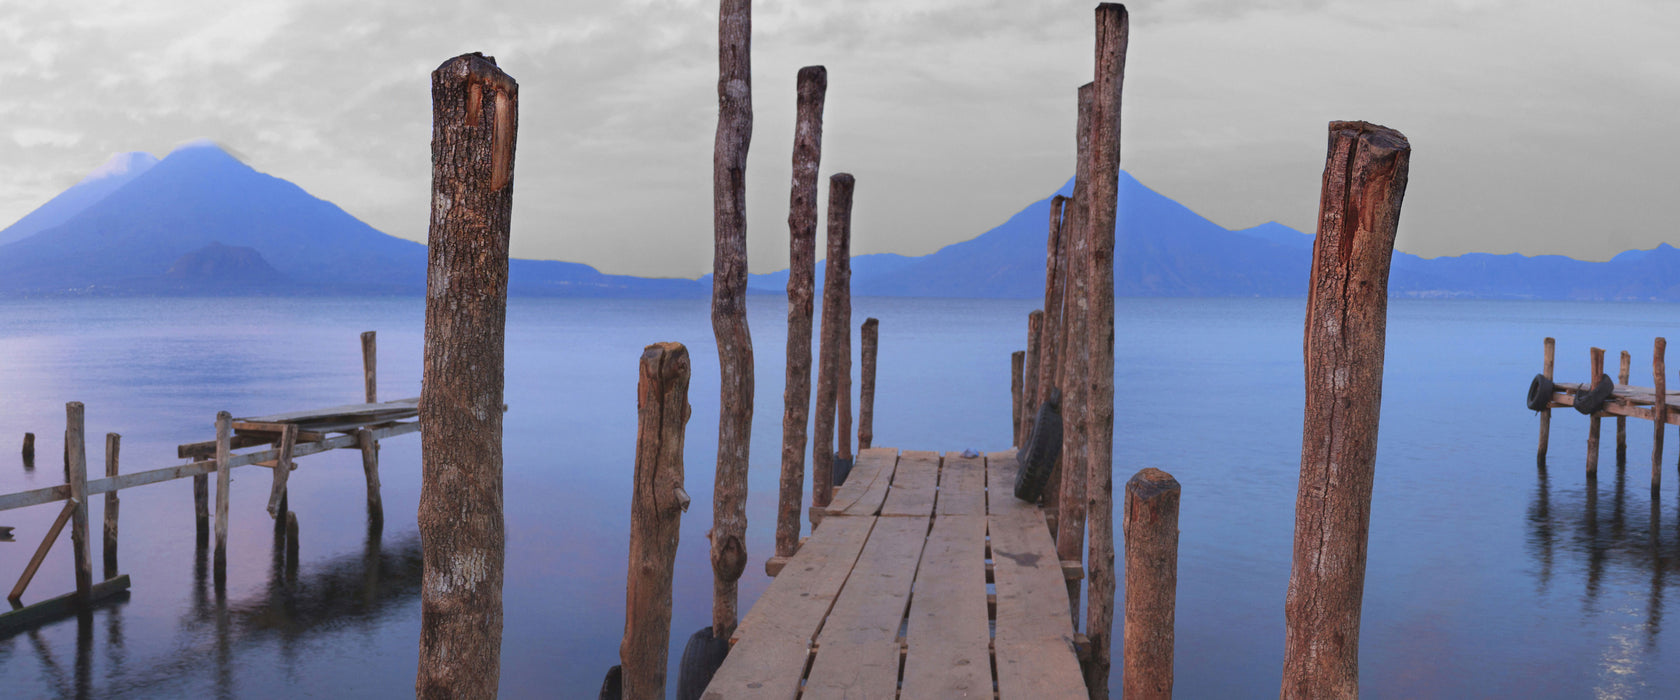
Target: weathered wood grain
(1596,357)
(1151,522)
(224,481)
(858,649)
(962,485)
(1070,520)
(840,187)
(915,485)
(812,88)
(866,489)
(1546,413)
(947,638)
(370,374)
(871,336)
(656,506)
(1034,639)
(75,465)
(113,505)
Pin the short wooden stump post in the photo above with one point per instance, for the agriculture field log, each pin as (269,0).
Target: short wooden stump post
(1151,524)
(1597,370)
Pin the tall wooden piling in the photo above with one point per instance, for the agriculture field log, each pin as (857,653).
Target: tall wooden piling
(1151,524)
(364,437)
(871,336)
(1070,521)
(1112,32)
(843,372)
(1029,383)
(113,446)
(1621,421)
(656,506)
(1546,413)
(1017,361)
(840,186)
(1346,323)
(1596,365)
(224,481)
(75,445)
(475,120)
(370,354)
(1659,379)
(802,267)
(201,508)
(729,308)
(1050,342)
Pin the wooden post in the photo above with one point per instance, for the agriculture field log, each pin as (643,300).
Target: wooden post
(75,445)
(1659,379)
(113,445)
(1112,31)
(1346,324)
(475,120)
(224,480)
(729,308)
(1017,361)
(802,267)
(1596,357)
(1029,384)
(840,186)
(277,506)
(656,507)
(1070,522)
(370,379)
(28,449)
(1621,421)
(201,507)
(1546,413)
(364,437)
(843,372)
(871,335)
(1050,343)
(1151,583)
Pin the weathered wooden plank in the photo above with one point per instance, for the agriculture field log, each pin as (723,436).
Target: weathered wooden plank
(948,637)
(857,652)
(773,640)
(1034,642)
(866,488)
(410,407)
(1039,669)
(18,620)
(914,486)
(962,485)
(41,551)
(75,467)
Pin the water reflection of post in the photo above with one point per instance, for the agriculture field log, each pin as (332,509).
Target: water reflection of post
(1595,548)
(1541,517)
(84,655)
(1653,605)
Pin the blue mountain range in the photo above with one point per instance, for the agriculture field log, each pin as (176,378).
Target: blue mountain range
(201,222)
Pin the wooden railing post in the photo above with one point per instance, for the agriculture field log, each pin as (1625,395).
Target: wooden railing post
(1346,325)
(1151,524)
(1621,421)
(1017,362)
(475,109)
(1546,413)
(1596,365)
(840,186)
(224,481)
(1070,522)
(802,270)
(75,445)
(656,506)
(113,445)
(871,337)
(1659,379)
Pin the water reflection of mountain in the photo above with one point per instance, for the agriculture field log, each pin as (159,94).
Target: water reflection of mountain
(1607,530)
(353,592)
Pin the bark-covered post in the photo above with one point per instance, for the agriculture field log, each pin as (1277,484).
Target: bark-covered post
(1621,421)
(840,186)
(75,445)
(113,506)
(1029,384)
(224,481)
(370,378)
(1546,413)
(729,309)
(843,372)
(475,116)
(802,270)
(1659,379)
(1112,32)
(1050,342)
(871,336)
(1070,522)
(364,437)
(1151,524)
(1346,324)
(1017,362)
(656,507)
(1596,357)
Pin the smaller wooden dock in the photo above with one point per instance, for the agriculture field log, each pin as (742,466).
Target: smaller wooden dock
(926,578)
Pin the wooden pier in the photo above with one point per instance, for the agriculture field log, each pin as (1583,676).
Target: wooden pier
(1654,403)
(925,579)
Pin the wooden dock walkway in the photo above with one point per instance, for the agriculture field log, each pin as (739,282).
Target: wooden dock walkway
(926,578)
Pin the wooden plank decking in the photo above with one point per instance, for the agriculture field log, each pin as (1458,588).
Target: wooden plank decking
(889,596)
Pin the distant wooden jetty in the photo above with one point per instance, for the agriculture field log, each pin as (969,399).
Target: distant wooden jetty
(1601,397)
(285,437)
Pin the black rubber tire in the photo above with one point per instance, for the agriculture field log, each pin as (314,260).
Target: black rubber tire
(842,469)
(1540,393)
(700,660)
(1588,402)
(613,687)
(1038,456)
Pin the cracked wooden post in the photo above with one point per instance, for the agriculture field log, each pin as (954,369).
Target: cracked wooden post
(656,506)
(75,445)
(840,186)
(1546,413)
(1346,324)
(370,379)
(1659,379)
(802,270)
(1070,522)
(1621,421)
(224,481)
(113,506)
(1151,523)
(871,336)
(1029,383)
(364,437)
(475,120)
(1103,191)
(729,309)
(1017,361)
(1596,357)
(1050,344)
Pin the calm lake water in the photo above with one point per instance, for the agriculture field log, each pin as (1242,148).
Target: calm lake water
(1487,576)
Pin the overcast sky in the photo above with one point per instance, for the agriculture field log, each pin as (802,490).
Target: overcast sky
(1536,126)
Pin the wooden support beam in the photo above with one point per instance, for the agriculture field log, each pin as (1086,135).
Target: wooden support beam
(75,446)
(224,481)
(1346,325)
(802,261)
(840,186)
(1070,522)
(60,607)
(370,377)
(282,469)
(1017,364)
(1596,356)
(57,527)
(656,506)
(113,445)
(871,335)
(1659,418)
(370,471)
(1621,421)
(1546,413)
(475,109)
(1151,522)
